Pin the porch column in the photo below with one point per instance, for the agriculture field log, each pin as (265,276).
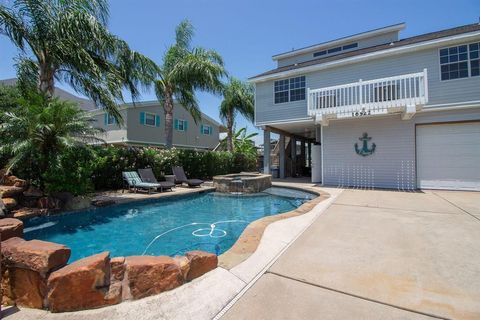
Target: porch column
(293,149)
(309,154)
(266,151)
(302,153)
(281,147)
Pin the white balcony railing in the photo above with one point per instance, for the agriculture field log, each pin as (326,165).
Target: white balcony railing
(364,98)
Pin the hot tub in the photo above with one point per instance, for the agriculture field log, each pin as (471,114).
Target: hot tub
(244,182)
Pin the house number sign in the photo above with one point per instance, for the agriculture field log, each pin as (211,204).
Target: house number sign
(365,150)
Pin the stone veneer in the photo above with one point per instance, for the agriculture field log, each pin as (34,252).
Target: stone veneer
(244,182)
(35,274)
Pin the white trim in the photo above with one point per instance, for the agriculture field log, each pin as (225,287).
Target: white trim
(298,120)
(355,37)
(183,125)
(321,147)
(367,56)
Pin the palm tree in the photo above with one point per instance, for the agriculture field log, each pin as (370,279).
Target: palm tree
(68,41)
(184,70)
(41,129)
(242,142)
(237,98)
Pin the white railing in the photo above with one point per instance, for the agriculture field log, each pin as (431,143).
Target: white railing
(370,97)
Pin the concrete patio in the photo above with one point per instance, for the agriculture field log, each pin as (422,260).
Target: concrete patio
(377,255)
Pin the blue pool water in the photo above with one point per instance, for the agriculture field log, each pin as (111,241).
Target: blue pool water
(210,222)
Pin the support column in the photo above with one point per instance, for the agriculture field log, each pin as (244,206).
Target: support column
(309,154)
(281,147)
(302,154)
(293,149)
(266,151)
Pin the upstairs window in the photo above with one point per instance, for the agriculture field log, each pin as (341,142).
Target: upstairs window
(149,119)
(206,130)
(287,90)
(460,61)
(181,125)
(109,119)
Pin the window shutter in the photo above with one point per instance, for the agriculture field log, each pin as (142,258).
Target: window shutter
(210,130)
(201,128)
(142,117)
(176,124)
(157,120)
(185,125)
(105,118)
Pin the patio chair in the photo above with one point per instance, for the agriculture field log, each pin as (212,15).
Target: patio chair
(133,181)
(181,177)
(148,176)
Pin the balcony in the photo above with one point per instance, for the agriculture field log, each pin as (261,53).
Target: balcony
(404,94)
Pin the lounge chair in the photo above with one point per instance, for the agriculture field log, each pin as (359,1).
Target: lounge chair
(181,177)
(133,181)
(148,176)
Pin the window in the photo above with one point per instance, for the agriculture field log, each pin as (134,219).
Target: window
(335,49)
(206,130)
(292,89)
(109,119)
(350,46)
(474,59)
(460,61)
(150,119)
(181,125)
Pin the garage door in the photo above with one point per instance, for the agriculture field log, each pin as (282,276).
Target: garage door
(448,156)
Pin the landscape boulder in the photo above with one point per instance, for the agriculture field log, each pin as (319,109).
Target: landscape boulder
(84,284)
(36,255)
(117,267)
(148,275)
(33,192)
(184,264)
(3,209)
(24,288)
(201,262)
(26,213)
(103,202)
(10,191)
(10,227)
(9,203)
(9,180)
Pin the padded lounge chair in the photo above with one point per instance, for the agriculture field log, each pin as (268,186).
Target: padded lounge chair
(148,176)
(133,181)
(181,177)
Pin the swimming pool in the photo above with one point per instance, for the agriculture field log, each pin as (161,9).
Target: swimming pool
(210,222)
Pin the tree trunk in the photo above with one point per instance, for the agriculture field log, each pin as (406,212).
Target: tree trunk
(168,110)
(230,146)
(46,80)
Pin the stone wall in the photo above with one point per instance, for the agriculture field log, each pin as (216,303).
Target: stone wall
(35,274)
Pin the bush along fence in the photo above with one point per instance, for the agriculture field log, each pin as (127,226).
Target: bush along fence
(82,170)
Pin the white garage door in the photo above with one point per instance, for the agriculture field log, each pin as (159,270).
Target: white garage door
(448,156)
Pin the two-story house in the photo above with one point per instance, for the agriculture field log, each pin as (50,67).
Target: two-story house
(379,111)
(144,124)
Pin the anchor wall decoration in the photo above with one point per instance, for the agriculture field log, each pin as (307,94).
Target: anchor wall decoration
(365,151)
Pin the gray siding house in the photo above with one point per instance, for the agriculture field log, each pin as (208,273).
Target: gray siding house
(144,124)
(374,110)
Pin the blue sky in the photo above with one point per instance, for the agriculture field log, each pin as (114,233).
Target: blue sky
(248,32)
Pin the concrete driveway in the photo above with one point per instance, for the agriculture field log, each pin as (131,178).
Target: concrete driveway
(377,255)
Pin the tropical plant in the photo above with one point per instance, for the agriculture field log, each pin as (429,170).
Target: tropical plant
(184,70)
(68,41)
(237,98)
(242,142)
(40,130)
(9,96)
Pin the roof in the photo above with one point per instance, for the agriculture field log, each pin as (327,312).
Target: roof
(397,44)
(84,104)
(395,27)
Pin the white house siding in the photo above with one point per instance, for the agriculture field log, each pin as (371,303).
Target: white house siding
(458,91)
(393,164)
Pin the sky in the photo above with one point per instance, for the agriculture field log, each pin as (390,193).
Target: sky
(248,32)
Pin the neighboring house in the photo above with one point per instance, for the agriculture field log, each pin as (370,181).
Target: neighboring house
(382,112)
(144,124)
